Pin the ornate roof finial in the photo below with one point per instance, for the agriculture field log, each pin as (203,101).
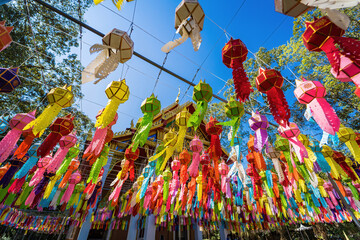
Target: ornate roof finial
(177,98)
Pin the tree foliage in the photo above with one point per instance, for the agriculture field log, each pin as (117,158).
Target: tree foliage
(42,46)
(293,60)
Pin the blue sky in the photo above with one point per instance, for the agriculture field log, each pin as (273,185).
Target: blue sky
(255,22)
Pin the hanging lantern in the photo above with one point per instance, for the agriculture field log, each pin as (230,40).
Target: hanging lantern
(101,137)
(5,38)
(185,159)
(9,79)
(98,165)
(165,152)
(15,165)
(259,124)
(270,81)
(17,123)
(74,179)
(202,95)
(66,142)
(117,92)
(291,132)
(58,98)
(42,164)
(348,136)
(60,127)
(4,125)
(293,8)
(117,48)
(234,110)
(312,94)
(149,107)
(215,150)
(205,162)
(182,120)
(324,35)
(189,22)
(167,176)
(131,156)
(225,185)
(275,157)
(74,165)
(196,147)
(117,3)
(234,54)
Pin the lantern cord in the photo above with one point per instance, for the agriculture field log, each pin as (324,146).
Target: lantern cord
(33,38)
(131,28)
(31,55)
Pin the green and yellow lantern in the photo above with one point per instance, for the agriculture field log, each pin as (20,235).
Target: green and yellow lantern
(202,95)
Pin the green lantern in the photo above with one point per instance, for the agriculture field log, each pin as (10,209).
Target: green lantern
(150,107)
(234,110)
(202,95)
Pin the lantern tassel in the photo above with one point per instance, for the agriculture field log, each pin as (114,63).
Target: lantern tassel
(17,184)
(109,113)
(8,142)
(50,186)
(278,106)
(48,144)
(142,134)
(241,81)
(198,115)
(24,146)
(194,166)
(97,143)
(325,115)
(29,164)
(43,121)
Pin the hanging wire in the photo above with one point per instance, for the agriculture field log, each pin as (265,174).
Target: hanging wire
(208,55)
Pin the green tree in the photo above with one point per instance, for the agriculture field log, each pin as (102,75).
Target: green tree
(294,61)
(42,46)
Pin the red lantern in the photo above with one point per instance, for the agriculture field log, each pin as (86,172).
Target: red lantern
(270,81)
(60,127)
(215,150)
(234,54)
(324,35)
(130,157)
(5,38)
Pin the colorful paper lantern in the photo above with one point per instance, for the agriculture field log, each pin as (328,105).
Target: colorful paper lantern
(58,98)
(117,48)
(74,165)
(189,22)
(202,95)
(324,35)
(196,147)
(348,136)
(117,92)
(293,8)
(17,123)
(74,179)
(270,81)
(9,79)
(101,137)
(312,94)
(215,150)
(291,132)
(233,110)
(182,119)
(149,107)
(5,38)
(234,54)
(259,124)
(60,127)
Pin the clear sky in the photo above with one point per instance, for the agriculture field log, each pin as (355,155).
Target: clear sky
(256,24)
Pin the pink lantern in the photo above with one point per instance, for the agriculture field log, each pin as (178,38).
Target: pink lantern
(312,93)
(17,124)
(291,132)
(196,147)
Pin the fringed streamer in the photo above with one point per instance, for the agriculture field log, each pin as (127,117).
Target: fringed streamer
(54,181)
(29,164)
(8,142)
(66,197)
(198,115)
(15,165)
(235,124)
(194,166)
(278,106)
(57,159)
(43,121)
(48,144)
(17,185)
(142,133)
(25,145)
(109,113)
(97,143)
(241,82)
